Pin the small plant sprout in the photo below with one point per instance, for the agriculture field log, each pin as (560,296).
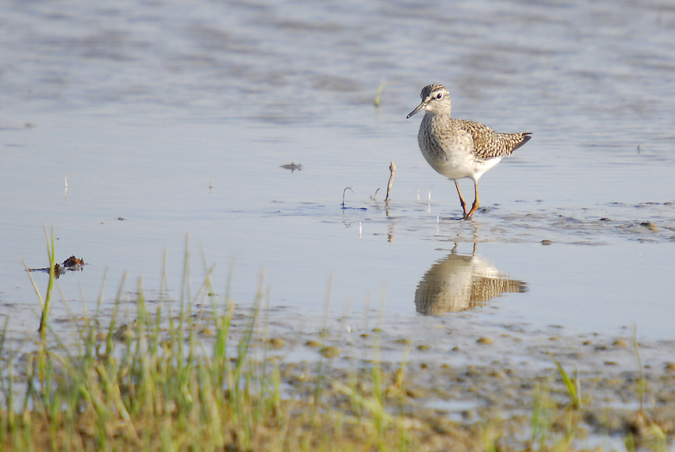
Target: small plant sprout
(572,385)
(378,95)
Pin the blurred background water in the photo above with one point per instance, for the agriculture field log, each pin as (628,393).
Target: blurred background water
(170,119)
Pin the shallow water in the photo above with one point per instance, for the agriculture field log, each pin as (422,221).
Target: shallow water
(169,120)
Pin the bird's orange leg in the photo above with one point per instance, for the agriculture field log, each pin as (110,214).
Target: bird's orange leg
(461,199)
(476,203)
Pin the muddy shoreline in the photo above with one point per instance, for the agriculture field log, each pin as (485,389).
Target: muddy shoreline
(463,384)
(460,379)
(503,381)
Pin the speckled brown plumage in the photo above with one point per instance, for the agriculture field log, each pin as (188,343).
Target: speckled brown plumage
(458,148)
(488,144)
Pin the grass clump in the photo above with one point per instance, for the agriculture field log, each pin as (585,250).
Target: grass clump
(157,383)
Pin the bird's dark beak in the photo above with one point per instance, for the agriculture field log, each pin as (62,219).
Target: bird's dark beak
(417,109)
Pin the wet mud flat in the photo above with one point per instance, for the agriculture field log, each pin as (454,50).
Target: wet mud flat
(518,222)
(463,385)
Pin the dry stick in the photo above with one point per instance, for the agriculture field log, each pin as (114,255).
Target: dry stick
(392,170)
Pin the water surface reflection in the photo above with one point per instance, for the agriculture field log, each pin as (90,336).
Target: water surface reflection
(462,282)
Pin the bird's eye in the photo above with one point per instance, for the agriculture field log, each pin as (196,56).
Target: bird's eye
(439,96)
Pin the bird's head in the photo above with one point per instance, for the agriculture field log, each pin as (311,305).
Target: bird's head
(435,100)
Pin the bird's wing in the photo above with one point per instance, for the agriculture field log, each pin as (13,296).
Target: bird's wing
(483,138)
(488,144)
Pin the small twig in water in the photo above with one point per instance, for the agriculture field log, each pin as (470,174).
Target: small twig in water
(374,195)
(392,170)
(343,195)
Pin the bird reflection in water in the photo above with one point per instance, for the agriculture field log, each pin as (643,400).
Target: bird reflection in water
(461,282)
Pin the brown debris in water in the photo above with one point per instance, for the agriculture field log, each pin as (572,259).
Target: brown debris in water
(277,343)
(330,352)
(72,264)
(649,225)
(292,167)
(72,261)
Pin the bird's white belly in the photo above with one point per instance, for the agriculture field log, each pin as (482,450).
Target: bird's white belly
(461,165)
